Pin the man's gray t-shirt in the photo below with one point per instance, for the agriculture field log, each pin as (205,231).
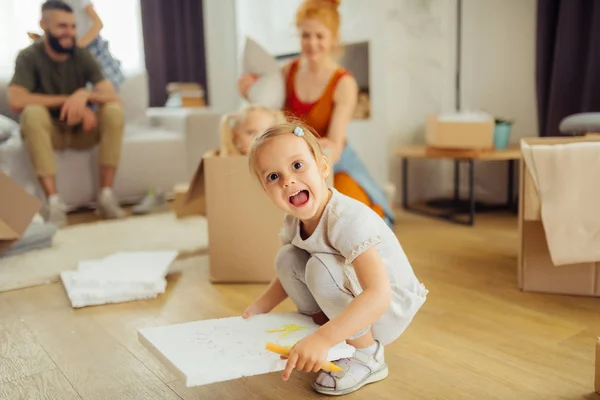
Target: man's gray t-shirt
(38,73)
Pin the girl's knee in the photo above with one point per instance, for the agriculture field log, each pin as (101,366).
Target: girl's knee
(290,258)
(325,272)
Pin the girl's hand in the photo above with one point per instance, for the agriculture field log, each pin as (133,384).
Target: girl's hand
(245,83)
(253,309)
(307,355)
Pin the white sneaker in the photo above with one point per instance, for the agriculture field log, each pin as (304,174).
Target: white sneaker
(151,202)
(57,211)
(108,205)
(359,370)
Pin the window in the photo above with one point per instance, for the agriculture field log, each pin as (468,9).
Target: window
(122,29)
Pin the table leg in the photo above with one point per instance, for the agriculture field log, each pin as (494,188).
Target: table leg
(471,219)
(510,201)
(405,183)
(456,181)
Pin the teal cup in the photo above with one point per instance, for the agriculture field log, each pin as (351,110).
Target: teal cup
(502,135)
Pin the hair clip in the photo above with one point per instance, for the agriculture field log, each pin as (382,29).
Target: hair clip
(298,131)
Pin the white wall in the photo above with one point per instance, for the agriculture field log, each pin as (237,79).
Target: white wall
(412,64)
(221,54)
(412,74)
(498,74)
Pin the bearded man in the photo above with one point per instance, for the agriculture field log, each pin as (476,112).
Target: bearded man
(57,111)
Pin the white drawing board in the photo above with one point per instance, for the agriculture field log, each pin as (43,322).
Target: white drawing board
(217,350)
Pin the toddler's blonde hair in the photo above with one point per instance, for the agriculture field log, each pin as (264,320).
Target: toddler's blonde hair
(230,121)
(310,136)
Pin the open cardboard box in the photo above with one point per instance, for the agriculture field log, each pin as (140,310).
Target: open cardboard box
(459,134)
(17,208)
(243,224)
(536,272)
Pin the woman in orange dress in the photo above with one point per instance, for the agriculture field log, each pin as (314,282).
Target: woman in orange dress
(324,95)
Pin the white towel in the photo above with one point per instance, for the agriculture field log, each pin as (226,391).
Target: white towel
(567,178)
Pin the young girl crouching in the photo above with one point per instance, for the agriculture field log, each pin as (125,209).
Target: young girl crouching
(339,258)
(240,128)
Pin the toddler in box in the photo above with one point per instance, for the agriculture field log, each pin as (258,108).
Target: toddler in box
(240,128)
(340,263)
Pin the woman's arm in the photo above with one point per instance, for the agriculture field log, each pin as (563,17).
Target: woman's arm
(95,29)
(367,307)
(345,98)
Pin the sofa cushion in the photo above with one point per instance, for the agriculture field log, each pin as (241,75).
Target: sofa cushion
(8,128)
(135,97)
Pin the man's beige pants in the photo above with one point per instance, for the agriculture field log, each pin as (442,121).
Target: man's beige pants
(43,134)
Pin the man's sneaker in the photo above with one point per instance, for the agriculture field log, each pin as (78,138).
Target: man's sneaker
(151,202)
(108,206)
(57,211)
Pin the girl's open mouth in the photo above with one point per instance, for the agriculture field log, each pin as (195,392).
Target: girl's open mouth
(299,198)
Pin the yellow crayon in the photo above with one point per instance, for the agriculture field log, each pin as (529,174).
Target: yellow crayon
(275,348)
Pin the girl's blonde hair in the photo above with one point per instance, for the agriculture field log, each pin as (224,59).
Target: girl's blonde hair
(289,127)
(230,121)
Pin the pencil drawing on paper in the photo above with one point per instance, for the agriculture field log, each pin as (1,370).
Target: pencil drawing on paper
(234,347)
(227,341)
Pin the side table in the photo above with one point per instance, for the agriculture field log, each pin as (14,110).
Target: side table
(510,155)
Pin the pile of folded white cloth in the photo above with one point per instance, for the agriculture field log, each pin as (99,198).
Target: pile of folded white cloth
(121,277)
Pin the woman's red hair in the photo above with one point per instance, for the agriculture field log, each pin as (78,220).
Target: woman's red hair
(325,11)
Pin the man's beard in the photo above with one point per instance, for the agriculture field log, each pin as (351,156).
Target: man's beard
(54,42)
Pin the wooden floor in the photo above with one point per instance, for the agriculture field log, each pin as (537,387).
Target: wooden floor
(477,337)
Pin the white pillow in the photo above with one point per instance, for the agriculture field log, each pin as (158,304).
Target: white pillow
(269,89)
(8,127)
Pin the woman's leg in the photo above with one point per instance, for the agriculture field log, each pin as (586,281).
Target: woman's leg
(348,186)
(327,281)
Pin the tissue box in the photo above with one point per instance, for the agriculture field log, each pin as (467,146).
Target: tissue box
(460,131)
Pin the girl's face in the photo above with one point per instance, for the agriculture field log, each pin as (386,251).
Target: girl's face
(256,121)
(292,178)
(316,41)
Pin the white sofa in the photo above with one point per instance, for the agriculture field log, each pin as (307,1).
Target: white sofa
(161,148)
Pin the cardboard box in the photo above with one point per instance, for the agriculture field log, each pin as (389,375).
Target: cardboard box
(597,380)
(17,208)
(536,272)
(243,223)
(459,134)
(181,207)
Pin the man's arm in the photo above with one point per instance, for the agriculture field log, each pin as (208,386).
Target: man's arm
(19,97)
(103,92)
(23,83)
